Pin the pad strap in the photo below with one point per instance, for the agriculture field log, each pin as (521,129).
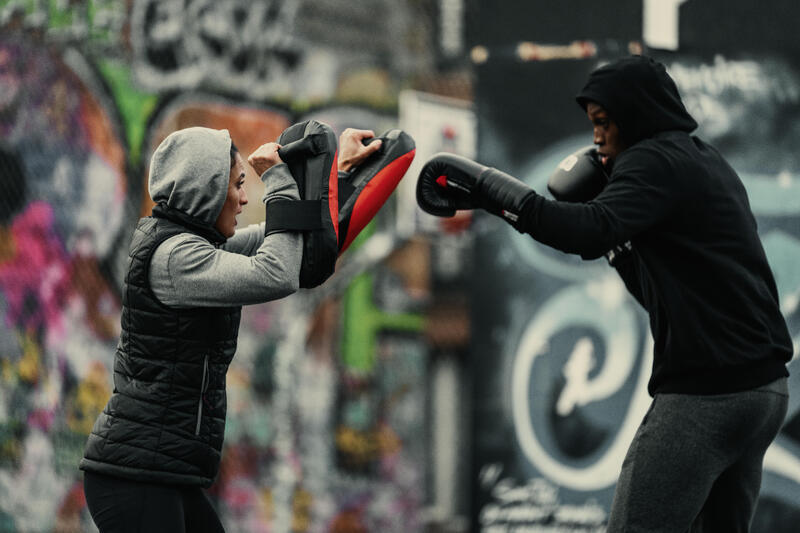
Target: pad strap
(346,188)
(293,215)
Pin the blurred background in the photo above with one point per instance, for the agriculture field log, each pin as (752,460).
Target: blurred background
(453,375)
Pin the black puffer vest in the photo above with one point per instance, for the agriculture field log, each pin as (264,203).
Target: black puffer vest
(165,420)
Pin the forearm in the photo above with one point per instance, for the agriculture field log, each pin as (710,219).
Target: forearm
(574,228)
(272,273)
(187,271)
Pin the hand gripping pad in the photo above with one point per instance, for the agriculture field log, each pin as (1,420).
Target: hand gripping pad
(367,187)
(309,150)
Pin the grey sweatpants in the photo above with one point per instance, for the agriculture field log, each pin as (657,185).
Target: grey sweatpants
(695,463)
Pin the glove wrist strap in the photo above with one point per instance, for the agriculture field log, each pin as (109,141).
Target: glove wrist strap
(505,194)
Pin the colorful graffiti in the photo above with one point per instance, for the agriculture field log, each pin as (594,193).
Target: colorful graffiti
(326,416)
(66,176)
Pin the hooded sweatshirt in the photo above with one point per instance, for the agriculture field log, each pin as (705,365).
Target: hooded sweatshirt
(698,266)
(184,287)
(189,173)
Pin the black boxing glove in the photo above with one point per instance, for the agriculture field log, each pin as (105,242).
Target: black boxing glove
(579,177)
(448,182)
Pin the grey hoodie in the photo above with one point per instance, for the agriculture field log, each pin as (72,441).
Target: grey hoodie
(189,172)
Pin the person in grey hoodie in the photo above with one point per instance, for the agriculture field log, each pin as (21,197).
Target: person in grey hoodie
(158,442)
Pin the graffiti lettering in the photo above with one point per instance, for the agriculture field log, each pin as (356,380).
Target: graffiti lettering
(233,46)
(724,95)
(513,513)
(536,506)
(536,490)
(751,80)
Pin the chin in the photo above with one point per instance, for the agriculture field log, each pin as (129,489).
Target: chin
(227,232)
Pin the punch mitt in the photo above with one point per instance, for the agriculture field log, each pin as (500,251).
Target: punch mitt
(364,190)
(579,177)
(309,150)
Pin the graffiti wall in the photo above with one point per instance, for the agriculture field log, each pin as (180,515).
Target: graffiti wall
(565,352)
(326,396)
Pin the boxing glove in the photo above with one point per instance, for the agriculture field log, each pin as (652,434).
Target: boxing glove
(449,182)
(579,177)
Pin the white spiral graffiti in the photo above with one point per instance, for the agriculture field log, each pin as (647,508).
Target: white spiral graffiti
(580,305)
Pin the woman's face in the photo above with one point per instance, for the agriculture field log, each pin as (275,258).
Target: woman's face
(605,134)
(237,197)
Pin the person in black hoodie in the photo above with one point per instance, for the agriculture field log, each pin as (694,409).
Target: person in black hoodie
(692,257)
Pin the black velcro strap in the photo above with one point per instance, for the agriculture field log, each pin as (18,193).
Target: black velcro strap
(294,215)
(346,190)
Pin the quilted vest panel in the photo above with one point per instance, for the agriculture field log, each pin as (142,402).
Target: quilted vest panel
(165,420)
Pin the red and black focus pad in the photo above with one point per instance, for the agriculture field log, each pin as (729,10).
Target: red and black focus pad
(309,150)
(364,190)
(579,177)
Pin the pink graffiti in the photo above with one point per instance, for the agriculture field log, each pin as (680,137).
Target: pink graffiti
(42,419)
(35,279)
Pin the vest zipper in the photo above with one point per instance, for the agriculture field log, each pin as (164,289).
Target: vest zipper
(203,387)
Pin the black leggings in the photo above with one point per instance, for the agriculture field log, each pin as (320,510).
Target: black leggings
(121,506)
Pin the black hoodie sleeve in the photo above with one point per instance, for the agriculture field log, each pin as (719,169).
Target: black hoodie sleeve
(639,196)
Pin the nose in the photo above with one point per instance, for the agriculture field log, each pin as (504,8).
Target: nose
(598,136)
(243,197)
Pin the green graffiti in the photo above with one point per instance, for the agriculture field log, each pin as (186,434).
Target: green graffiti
(97,21)
(135,106)
(7,522)
(64,18)
(363,321)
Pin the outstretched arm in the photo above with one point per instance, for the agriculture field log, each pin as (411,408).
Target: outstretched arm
(187,271)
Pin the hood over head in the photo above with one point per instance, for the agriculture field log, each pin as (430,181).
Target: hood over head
(639,95)
(190,173)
